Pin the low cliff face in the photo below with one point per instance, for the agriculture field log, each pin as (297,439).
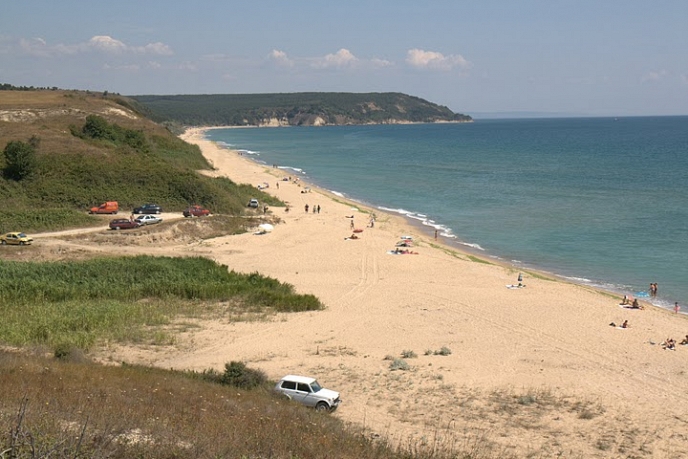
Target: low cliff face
(297,109)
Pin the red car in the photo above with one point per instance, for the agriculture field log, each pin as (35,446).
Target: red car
(196,211)
(123,223)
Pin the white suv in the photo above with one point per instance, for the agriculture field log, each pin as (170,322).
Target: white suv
(307,391)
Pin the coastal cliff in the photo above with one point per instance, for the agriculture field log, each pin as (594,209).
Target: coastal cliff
(296,109)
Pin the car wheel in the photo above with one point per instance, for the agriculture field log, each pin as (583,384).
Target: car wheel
(158,211)
(21,242)
(115,228)
(322,406)
(4,242)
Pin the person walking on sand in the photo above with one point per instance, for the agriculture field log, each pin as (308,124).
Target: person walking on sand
(352,223)
(306,207)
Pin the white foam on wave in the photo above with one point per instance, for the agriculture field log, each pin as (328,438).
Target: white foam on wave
(578,279)
(337,193)
(249,152)
(290,168)
(442,230)
(472,245)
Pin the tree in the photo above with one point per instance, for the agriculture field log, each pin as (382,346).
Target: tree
(20,159)
(98,128)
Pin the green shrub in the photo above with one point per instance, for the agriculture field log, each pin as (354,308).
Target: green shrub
(238,375)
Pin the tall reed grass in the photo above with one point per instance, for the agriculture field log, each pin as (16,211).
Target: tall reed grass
(77,303)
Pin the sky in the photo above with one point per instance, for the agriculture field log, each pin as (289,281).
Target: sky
(484,58)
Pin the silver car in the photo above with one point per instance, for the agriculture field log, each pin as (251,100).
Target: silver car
(307,391)
(148,219)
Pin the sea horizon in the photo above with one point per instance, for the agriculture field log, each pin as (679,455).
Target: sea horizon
(591,200)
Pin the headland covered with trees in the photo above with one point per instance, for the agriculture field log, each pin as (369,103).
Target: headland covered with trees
(296,109)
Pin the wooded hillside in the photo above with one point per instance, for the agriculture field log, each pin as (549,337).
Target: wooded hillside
(296,109)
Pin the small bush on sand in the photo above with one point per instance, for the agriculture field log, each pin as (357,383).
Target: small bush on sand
(444,351)
(399,364)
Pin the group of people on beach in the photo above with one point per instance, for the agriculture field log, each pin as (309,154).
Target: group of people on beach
(316,208)
(653,289)
(405,241)
(632,302)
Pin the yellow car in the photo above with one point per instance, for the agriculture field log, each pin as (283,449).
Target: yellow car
(15,239)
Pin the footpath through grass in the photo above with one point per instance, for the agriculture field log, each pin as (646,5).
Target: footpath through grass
(78,303)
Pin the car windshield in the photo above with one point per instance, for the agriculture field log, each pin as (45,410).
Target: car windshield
(21,235)
(315,386)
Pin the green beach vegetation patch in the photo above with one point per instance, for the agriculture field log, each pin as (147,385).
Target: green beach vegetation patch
(80,303)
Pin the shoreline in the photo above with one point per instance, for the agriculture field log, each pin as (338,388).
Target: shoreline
(576,277)
(454,242)
(552,337)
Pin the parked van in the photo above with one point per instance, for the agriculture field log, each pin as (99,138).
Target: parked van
(110,207)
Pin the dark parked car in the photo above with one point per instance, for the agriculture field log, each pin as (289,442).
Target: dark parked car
(148,209)
(196,211)
(123,223)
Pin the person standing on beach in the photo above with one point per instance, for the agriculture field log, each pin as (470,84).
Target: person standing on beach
(352,223)
(306,207)
(676,307)
(435,234)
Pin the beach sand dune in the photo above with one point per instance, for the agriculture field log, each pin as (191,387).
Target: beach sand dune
(530,370)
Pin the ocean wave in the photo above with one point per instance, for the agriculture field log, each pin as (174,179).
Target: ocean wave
(290,168)
(337,193)
(472,245)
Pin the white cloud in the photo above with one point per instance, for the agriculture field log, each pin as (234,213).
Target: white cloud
(34,47)
(107,44)
(281,58)
(100,43)
(437,61)
(340,59)
(157,48)
(654,76)
(379,63)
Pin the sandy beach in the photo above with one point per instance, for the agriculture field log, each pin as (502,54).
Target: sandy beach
(534,369)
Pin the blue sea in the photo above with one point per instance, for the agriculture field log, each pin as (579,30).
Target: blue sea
(599,201)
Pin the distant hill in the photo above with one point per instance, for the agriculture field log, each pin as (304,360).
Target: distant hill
(296,109)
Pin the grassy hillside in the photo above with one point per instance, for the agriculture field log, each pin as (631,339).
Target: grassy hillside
(296,109)
(74,170)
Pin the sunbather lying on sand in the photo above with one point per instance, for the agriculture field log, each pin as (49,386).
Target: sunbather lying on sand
(669,344)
